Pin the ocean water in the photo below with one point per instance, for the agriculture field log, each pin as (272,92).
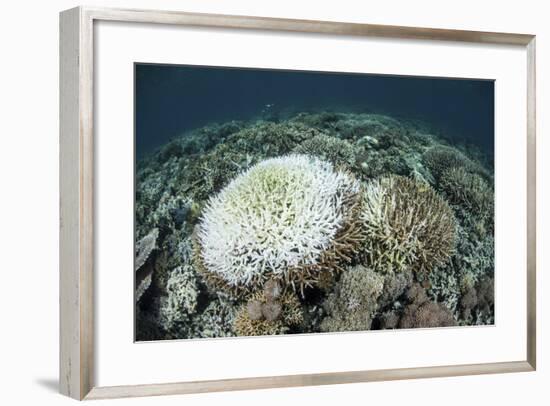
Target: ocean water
(173,99)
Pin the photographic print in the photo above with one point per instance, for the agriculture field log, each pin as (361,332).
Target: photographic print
(298,202)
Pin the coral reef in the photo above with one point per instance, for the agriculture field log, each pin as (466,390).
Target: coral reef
(313,222)
(354,301)
(289,219)
(408,225)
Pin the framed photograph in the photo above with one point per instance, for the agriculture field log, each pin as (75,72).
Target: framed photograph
(299,202)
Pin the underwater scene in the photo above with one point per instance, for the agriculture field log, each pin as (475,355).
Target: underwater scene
(294,202)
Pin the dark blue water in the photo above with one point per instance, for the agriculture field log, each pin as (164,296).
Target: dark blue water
(172,99)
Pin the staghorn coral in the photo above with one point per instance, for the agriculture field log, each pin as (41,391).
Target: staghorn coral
(354,301)
(290,219)
(277,317)
(468,190)
(408,225)
(339,152)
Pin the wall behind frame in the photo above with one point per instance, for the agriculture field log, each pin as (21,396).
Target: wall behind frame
(29,208)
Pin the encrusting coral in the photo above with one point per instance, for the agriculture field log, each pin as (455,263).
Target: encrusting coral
(290,219)
(407,225)
(352,304)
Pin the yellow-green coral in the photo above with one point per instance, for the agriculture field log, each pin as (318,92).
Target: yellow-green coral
(407,225)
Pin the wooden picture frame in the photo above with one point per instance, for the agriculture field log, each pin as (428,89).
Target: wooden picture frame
(77,200)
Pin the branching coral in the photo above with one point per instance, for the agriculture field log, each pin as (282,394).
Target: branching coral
(339,152)
(468,190)
(352,304)
(265,315)
(440,159)
(290,219)
(408,225)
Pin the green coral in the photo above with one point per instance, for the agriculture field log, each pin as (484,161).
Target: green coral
(408,225)
(354,301)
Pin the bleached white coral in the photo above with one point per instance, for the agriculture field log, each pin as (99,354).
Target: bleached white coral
(288,218)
